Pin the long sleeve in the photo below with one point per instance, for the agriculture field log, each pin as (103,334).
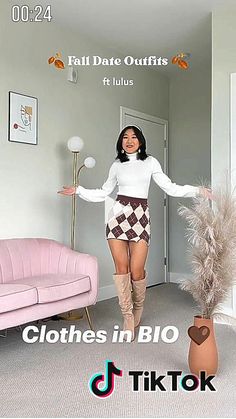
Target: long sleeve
(169,187)
(99,195)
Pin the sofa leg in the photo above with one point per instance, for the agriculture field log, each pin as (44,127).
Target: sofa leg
(88,318)
(4,335)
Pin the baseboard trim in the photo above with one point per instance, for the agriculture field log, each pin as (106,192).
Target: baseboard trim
(230,316)
(176,277)
(107,292)
(225,310)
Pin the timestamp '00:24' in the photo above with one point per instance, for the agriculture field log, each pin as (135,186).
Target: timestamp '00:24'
(26,14)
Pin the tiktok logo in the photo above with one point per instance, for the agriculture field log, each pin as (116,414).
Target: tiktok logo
(109,381)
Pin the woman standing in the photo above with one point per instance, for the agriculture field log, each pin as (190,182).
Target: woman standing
(128,226)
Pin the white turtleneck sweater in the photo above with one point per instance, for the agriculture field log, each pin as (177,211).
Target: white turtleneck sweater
(133,179)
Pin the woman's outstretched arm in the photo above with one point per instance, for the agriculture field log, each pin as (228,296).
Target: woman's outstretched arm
(171,188)
(94,195)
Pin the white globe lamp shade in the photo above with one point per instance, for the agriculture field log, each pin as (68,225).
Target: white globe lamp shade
(89,162)
(75,144)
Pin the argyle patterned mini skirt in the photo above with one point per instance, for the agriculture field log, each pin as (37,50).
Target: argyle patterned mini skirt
(129,219)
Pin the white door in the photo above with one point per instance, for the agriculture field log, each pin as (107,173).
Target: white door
(155,132)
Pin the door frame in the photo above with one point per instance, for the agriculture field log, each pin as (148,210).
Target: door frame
(151,118)
(230,309)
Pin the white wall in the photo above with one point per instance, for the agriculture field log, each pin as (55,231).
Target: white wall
(31,175)
(223,63)
(189,152)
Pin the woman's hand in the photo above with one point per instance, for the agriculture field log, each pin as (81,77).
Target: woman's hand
(206,193)
(68,190)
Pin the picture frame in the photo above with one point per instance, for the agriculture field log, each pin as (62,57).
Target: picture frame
(23,118)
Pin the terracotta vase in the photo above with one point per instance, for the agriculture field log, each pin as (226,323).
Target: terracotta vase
(203,357)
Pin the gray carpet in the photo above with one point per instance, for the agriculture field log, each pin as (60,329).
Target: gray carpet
(51,380)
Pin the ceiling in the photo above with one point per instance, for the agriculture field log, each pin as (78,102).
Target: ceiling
(144,27)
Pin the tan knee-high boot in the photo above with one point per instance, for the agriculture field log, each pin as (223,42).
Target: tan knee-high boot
(139,292)
(123,286)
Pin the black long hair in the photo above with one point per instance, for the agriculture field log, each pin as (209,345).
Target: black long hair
(122,156)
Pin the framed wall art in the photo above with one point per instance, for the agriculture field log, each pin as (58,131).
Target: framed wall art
(23,118)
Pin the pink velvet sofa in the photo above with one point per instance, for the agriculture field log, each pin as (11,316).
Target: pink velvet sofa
(40,278)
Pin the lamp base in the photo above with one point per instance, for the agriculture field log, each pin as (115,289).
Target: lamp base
(70,316)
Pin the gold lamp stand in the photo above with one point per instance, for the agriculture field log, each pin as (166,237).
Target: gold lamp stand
(75,144)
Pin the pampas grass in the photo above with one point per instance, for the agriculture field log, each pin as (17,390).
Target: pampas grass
(211,233)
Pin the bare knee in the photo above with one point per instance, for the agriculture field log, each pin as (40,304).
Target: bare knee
(137,274)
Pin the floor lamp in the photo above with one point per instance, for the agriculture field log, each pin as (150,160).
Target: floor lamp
(75,145)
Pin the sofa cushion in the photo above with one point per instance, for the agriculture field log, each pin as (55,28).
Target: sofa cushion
(54,287)
(14,296)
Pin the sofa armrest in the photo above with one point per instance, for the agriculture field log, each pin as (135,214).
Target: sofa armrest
(81,263)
